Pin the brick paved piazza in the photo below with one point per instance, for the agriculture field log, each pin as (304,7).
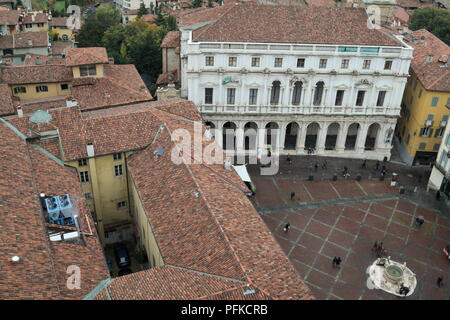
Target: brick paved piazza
(344,218)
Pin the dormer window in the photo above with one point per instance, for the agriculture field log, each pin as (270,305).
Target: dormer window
(429,58)
(88,70)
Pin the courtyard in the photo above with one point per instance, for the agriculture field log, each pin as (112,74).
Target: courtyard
(344,218)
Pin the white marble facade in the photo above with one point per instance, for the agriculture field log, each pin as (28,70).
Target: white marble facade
(340,100)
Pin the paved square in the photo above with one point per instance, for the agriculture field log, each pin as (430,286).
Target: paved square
(344,218)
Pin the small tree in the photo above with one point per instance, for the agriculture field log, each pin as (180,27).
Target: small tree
(197,3)
(142,10)
(159,21)
(210,4)
(171,23)
(437,21)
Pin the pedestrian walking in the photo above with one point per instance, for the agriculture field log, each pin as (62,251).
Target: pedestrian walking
(316,166)
(375,246)
(335,259)
(377,165)
(324,164)
(440,282)
(288,159)
(292,196)
(419,221)
(438,195)
(287,227)
(338,262)
(363,166)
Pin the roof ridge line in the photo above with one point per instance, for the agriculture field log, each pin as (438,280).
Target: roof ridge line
(206,273)
(225,235)
(209,25)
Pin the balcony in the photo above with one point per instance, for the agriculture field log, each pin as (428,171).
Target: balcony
(295,109)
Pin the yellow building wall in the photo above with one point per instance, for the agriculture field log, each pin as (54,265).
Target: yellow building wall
(419,110)
(54,90)
(144,230)
(61,32)
(98,70)
(107,190)
(35,28)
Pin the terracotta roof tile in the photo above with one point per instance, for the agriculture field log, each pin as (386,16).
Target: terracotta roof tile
(323,25)
(122,84)
(23,74)
(321,3)
(433,75)
(38,18)
(81,56)
(41,272)
(61,47)
(198,15)
(9,17)
(6,102)
(171,40)
(58,22)
(167,77)
(149,17)
(208,257)
(24,40)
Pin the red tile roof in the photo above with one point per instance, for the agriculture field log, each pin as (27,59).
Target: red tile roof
(149,17)
(433,75)
(38,18)
(24,74)
(166,77)
(6,102)
(227,237)
(323,25)
(61,47)
(24,40)
(122,84)
(209,257)
(198,15)
(81,56)
(58,22)
(41,272)
(171,40)
(321,3)
(168,282)
(9,17)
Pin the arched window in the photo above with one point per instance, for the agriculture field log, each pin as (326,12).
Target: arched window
(297,93)
(318,93)
(275,93)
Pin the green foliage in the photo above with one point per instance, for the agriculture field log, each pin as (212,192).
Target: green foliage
(136,43)
(197,3)
(171,23)
(91,33)
(19,3)
(142,10)
(159,21)
(210,4)
(437,21)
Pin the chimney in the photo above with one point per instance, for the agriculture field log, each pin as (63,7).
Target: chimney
(33,16)
(19,111)
(30,42)
(90,150)
(38,60)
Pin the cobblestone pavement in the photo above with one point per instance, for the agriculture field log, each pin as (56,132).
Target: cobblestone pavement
(344,218)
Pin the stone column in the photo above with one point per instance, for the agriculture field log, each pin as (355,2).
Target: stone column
(239,138)
(322,134)
(282,137)
(342,136)
(301,137)
(219,134)
(361,140)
